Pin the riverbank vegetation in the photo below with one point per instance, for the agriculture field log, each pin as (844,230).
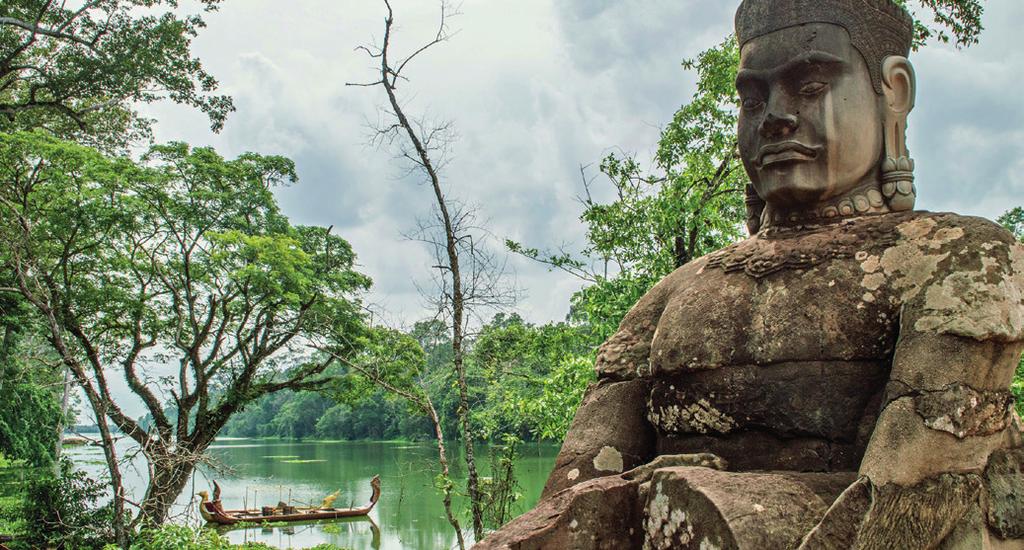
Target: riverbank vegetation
(173,268)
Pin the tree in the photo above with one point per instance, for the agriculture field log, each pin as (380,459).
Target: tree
(961,18)
(1013,220)
(182,260)
(528,375)
(468,276)
(692,204)
(77,70)
(394,362)
(31,385)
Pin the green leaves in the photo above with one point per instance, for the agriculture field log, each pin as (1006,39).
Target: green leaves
(1013,220)
(77,70)
(958,21)
(185,251)
(531,378)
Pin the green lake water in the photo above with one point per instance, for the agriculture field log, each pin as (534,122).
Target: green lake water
(408,515)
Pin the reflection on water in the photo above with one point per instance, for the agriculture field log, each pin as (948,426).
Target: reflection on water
(408,515)
(282,535)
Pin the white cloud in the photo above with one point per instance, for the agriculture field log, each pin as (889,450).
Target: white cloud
(536,88)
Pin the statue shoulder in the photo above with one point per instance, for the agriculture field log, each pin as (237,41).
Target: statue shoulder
(626,354)
(921,224)
(958,275)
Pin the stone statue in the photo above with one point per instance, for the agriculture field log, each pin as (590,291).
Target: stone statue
(838,380)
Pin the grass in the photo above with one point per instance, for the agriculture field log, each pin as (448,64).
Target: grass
(12,484)
(301,461)
(11,522)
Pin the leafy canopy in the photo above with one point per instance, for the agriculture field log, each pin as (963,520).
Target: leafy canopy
(1013,220)
(76,69)
(182,260)
(958,21)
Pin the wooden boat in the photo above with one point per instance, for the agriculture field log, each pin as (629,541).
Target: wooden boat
(214,512)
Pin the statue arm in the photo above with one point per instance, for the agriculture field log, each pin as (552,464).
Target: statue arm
(947,406)
(948,403)
(610,433)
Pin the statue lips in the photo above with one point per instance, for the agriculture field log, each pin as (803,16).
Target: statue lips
(786,151)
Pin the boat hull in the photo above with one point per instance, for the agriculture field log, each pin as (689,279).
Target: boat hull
(216,515)
(234,517)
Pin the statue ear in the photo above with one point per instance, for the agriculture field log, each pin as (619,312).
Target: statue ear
(899,85)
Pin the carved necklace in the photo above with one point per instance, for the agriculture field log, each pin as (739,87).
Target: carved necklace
(866,199)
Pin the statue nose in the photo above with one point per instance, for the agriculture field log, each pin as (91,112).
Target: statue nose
(779,125)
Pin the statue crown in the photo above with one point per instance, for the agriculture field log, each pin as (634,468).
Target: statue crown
(878,28)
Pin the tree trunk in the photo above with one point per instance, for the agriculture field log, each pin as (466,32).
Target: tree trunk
(110,453)
(388,78)
(682,256)
(473,479)
(64,406)
(442,458)
(8,343)
(168,477)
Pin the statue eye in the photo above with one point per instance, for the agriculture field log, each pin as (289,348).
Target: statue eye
(752,103)
(813,88)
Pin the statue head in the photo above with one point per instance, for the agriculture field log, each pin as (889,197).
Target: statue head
(826,88)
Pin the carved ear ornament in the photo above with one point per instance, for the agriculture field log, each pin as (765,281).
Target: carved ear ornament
(899,89)
(898,183)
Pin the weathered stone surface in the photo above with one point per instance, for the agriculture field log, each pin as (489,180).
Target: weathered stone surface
(838,528)
(973,534)
(862,277)
(964,411)
(921,516)
(608,414)
(763,451)
(824,399)
(900,427)
(601,514)
(942,512)
(697,508)
(1004,484)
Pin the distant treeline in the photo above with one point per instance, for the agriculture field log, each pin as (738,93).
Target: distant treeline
(306,415)
(525,381)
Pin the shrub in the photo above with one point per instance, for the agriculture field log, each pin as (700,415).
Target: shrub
(63,512)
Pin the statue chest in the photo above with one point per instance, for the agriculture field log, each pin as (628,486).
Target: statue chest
(829,310)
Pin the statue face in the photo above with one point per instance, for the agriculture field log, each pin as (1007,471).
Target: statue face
(810,127)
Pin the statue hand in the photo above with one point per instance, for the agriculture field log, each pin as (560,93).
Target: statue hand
(700,460)
(866,517)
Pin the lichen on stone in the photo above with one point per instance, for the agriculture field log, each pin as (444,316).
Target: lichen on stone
(981,304)
(964,411)
(916,228)
(698,417)
(910,267)
(665,528)
(608,459)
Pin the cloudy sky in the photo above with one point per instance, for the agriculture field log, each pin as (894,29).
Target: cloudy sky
(537,88)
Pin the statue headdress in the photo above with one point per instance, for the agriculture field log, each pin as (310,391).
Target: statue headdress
(879,30)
